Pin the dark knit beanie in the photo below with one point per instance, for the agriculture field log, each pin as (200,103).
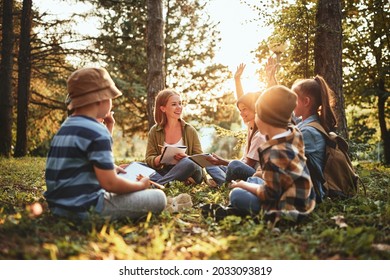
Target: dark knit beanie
(249,100)
(275,105)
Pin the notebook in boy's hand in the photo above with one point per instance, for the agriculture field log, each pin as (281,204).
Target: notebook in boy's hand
(169,152)
(134,169)
(201,159)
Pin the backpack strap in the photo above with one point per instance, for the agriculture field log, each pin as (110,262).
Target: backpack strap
(313,170)
(320,128)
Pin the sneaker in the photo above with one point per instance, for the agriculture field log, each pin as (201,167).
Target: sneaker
(222,212)
(208,210)
(219,212)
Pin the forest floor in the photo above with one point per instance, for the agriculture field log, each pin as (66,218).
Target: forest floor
(356,228)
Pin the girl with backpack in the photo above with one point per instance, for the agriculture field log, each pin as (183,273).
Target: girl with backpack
(314,105)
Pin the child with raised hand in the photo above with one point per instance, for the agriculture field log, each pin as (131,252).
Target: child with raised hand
(80,172)
(224,171)
(283,185)
(227,170)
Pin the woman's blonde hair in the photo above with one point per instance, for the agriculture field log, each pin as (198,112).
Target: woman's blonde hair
(161,100)
(323,99)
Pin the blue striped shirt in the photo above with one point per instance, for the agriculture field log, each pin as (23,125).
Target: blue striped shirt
(72,186)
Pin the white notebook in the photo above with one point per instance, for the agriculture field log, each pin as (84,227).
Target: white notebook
(134,169)
(169,151)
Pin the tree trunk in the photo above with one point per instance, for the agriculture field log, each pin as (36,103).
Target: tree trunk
(155,54)
(379,51)
(6,65)
(385,133)
(328,55)
(24,68)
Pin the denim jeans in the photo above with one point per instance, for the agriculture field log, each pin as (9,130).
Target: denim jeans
(238,170)
(218,173)
(184,169)
(133,205)
(245,200)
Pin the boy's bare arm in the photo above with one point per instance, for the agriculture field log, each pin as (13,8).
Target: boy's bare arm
(111,182)
(250,187)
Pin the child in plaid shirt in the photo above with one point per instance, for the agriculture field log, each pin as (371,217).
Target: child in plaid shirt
(282,186)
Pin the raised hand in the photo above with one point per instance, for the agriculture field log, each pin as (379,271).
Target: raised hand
(240,69)
(270,69)
(237,80)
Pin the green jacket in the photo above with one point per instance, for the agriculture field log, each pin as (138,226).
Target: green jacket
(156,139)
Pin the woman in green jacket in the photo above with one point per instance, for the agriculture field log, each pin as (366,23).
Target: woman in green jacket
(170,129)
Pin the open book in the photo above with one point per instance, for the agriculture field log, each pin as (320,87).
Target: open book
(169,151)
(201,159)
(134,169)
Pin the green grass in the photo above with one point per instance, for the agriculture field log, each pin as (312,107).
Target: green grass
(187,235)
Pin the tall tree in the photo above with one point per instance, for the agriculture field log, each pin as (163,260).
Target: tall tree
(6,88)
(190,43)
(328,54)
(313,30)
(24,68)
(294,24)
(155,54)
(367,57)
(381,52)
(122,48)
(191,39)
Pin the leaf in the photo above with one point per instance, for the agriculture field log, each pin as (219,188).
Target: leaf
(381,247)
(339,219)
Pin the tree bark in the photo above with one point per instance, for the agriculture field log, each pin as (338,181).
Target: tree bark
(328,55)
(379,50)
(24,68)
(6,102)
(385,133)
(155,55)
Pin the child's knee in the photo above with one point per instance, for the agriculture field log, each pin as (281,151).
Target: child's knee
(234,164)
(236,196)
(161,200)
(187,163)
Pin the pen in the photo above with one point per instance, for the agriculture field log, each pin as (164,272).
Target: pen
(157,184)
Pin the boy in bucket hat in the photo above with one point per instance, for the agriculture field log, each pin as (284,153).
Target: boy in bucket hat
(282,186)
(81,176)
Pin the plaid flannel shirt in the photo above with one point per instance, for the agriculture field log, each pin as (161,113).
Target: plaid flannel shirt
(287,185)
